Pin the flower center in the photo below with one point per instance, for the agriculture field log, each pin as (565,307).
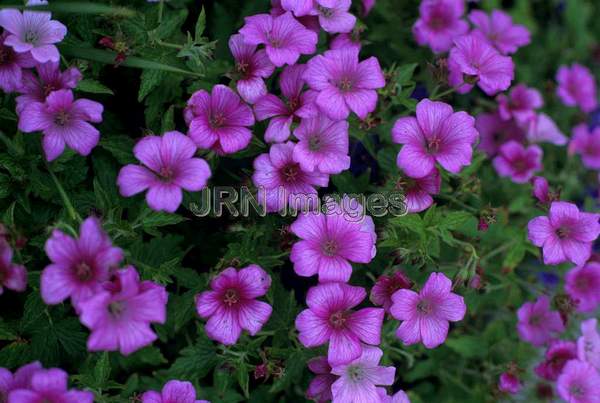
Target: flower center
(563,232)
(61,118)
(32,37)
(424,307)
(330,248)
(314,143)
(355,373)
(217,120)
(345,84)
(325,12)
(290,172)
(83,271)
(231,297)
(338,319)
(116,309)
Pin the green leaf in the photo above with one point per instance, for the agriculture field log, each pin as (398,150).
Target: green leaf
(93,86)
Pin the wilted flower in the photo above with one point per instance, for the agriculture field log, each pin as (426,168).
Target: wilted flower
(330,318)
(119,315)
(231,305)
(537,323)
(168,167)
(439,23)
(426,315)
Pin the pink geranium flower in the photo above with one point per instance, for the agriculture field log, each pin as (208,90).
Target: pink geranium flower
(79,266)
(577,87)
(21,379)
(439,23)
(418,191)
(586,143)
(494,132)
(120,314)
(219,120)
(173,392)
(517,162)
(435,134)
(537,323)
(297,104)
(426,315)
(282,182)
(231,305)
(285,39)
(588,344)
(50,386)
(63,120)
(579,383)
(520,104)
(566,234)
(344,83)
(509,383)
(12,65)
(36,87)
(33,32)
(319,388)
(334,15)
(359,379)
(582,284)
(499,30)
(12,276)
(323,145)
(330,318)
(252,66)
(386,286)
(168,166)
(557,355)
(474,61)
(329,242)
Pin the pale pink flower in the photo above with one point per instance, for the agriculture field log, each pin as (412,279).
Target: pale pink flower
(537,323)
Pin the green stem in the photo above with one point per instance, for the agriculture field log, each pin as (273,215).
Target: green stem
(65,198)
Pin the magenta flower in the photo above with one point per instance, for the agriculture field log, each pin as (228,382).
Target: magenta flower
(436,134)
(520,104)
(21,379)
(330,317)
(359,378)
(50,386)
(282,182)
(494,132)
(577,87)
(386,286)
(586,143)
(79,266)
(297,104)
(12,65)
(582,284)
(439,23)
(517,162)
(474,61)
(168,166)
(119,315)
(559,352)
(218,120)
(319,388)
(426,315)
(344,83)
(36,88)
(33,32)
(542,129)
(252,66)
(334,15)
(588,344)
(231,305)
(418,191)
(63,120)
(285,39)
(173,392)
(12,276)
(323,145)
(565,235)
(499,30)
(579,383)
(329,242)
(509,383)
(537,323)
